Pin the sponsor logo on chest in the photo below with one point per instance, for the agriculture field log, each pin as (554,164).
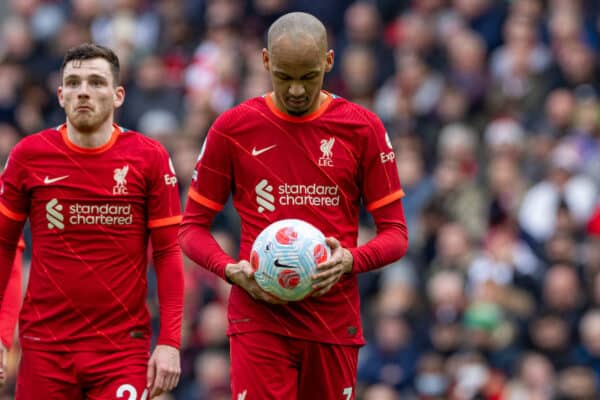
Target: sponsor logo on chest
(58,215)
(269,198)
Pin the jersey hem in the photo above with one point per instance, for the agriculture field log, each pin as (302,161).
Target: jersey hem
(357,341)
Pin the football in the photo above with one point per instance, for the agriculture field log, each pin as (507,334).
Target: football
(285,255)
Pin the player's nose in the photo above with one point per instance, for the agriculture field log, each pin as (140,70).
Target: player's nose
(296,89)
(83,89)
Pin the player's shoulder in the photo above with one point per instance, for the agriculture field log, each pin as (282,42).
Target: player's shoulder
(353,113)
(350,109)
(36,142)
(239,115)
(140,142)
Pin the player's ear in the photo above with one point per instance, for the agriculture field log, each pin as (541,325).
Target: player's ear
(59,95)
(329,61)
(119,96)
(265,59)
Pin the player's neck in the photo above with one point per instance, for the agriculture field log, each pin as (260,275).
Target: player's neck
(90,140)
(322,97)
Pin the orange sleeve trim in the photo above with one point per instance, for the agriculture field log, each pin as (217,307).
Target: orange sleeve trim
(157,223)
(386,200)
(198,198)
(12,215)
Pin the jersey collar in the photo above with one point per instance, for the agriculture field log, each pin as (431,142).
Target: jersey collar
(96,150)
(309,117)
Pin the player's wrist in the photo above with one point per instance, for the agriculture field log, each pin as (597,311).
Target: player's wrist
(348,260)
(232,273)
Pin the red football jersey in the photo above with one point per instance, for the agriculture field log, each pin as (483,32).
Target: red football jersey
(90,212)
(317,168)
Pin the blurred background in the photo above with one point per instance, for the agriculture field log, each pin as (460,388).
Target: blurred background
(493,107)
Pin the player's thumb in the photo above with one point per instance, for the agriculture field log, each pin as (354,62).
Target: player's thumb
(332,242)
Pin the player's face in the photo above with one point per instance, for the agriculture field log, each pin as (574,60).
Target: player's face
(88,94)
(297,73)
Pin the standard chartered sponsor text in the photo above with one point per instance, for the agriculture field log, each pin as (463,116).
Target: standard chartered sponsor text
(103,214)
(314,195)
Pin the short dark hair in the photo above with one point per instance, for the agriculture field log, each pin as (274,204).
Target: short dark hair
(88,51)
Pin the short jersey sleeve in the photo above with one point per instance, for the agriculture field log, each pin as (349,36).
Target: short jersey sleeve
(380,182)
(14,200)
(164,207)
(211,182)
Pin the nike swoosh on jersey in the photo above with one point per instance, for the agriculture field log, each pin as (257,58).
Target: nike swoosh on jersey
(48,180)
(280,265)
(256,152)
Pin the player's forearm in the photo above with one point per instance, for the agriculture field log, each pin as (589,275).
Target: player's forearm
(197,241)
(11,303)
(390,243)
(168,263)
(10,232)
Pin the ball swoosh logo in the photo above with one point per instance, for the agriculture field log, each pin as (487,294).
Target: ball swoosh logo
(257,152)
(280,265)
(48,180)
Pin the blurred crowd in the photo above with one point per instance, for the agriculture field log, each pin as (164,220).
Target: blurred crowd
(493,107)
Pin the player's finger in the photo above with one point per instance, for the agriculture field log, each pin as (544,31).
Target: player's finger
(326,274)
(326,284)
(171,380)
(272,299)
(159,382)
(2,367)
(151,373)
(174,381)
(260,294)
(321,292)
(155,393)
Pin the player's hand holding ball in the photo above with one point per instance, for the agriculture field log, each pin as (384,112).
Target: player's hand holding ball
(330,272)
(291,259)
(242,274)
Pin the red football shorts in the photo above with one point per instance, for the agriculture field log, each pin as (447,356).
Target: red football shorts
(82,375)
(273,367)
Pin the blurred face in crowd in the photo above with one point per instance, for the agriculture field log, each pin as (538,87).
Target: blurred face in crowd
(88,94)
(536,371)
(297,67)
(549,333)
(590,332)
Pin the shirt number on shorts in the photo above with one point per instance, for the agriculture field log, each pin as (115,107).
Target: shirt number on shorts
(127,389)
(348,393)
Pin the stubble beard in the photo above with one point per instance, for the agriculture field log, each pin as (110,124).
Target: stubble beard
(88,122)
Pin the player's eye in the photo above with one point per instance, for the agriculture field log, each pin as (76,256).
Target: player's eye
(71,83)
(97,82)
